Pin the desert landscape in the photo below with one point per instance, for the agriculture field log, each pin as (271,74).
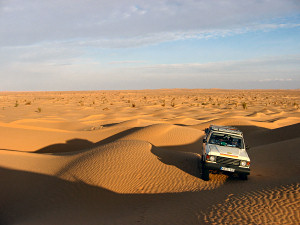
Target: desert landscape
(131,157)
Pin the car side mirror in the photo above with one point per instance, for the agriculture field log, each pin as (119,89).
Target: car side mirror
(206,130)
(204,140)
(247,147)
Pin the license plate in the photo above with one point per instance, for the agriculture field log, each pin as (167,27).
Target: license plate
(227,169)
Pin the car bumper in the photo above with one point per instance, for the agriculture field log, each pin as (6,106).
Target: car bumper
(217,166)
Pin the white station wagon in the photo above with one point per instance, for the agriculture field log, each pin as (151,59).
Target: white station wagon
(224,151)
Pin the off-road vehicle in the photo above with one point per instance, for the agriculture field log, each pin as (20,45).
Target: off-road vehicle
(224,151)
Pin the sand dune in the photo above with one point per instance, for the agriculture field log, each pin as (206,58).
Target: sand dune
(137,167)
(131,157)
(279,205)
(166,135)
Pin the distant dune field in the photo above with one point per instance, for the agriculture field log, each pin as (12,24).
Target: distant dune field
(131,157)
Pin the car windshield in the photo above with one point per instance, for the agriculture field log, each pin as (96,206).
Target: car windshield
(226,140)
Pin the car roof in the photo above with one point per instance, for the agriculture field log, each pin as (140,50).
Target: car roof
(226,129)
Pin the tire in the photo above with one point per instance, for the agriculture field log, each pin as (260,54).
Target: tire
(205,173)
(243,176)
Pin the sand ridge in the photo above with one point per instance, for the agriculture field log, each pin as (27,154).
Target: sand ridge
(131,157)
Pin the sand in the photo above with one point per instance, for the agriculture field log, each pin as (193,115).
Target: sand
(131,157)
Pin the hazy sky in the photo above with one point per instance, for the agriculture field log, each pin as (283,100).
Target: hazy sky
(145,44)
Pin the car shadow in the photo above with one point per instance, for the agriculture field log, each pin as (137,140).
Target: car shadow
(185,161)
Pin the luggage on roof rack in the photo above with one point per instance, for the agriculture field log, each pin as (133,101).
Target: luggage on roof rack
(227,129)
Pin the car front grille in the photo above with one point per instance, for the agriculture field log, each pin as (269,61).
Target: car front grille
(228,161)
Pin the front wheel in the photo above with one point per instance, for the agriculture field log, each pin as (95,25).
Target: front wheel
(243,176)
(205,173)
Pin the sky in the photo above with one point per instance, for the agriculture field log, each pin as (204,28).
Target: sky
(60,45)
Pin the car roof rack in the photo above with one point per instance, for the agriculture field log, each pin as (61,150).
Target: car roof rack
(226,129)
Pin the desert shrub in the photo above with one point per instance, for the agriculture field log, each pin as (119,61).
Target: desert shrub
(39,110)
(133,105)
(16,104)
(244,104)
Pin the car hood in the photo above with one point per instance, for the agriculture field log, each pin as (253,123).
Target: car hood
(228,151)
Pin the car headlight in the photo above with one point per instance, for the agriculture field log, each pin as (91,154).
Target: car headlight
(243,163)
(211,158)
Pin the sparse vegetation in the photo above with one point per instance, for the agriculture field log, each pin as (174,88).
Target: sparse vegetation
(166,100)
(172,102)
(39,110)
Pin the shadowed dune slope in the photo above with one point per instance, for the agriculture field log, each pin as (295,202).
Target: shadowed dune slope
(32,199)
(262,137)
(278,160)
